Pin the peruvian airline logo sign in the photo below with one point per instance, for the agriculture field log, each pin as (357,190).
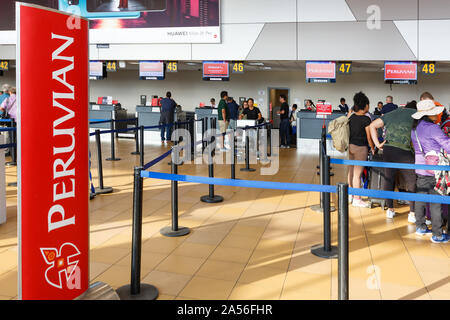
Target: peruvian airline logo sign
(52,78)
(400,70)
(320,70)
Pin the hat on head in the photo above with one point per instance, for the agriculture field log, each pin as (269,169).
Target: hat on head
(427,108)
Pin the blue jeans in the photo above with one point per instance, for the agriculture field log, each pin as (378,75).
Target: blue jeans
(284,132)
(167,131)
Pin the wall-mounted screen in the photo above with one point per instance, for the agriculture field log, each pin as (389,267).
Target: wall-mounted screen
(96,70)
(216,70)
(320,71)
(132,21)
(400,72)
(151,70)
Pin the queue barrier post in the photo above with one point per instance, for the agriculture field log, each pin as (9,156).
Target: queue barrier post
(326,250)
(142,145)
(137,290)
(204,124)
(136,137)
(113,144)
(247,154)
(174,230)
(13,140)
(101,189)
(233,155)
(192,135)
(211,197)
(343,260)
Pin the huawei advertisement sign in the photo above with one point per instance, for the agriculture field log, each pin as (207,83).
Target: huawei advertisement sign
(53,193)
(400,72)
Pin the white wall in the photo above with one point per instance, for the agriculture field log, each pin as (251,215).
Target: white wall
(189,90)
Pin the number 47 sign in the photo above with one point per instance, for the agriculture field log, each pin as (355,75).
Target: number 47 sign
(344,67)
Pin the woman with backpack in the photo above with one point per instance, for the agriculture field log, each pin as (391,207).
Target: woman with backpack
(428,140)
(359,142)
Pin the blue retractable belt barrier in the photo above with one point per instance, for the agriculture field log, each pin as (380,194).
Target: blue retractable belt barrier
(297,187)
(390,165)
(6,120)
(155,161)
(8,129)
(8,145)
(95,121)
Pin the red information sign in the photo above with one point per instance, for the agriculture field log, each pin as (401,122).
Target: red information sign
(52,78)
(400,71)
(323,109)
(215,69)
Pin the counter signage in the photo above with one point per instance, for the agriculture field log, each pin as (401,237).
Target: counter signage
(111,66)
(53,193)
(172,66)
(344,68)
(324,109)
(4,65)
(216,70)
(237,67)
(428,68)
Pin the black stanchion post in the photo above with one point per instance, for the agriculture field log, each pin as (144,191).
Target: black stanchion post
(192,134)
(142,145)
(247,154)
(270,139)
(137,290)
(233,156)
(211,197)
(174,230)
(12,150)
(136,136)
(101,189)
(343,280)
(204,123)
(327,250)
(113,144)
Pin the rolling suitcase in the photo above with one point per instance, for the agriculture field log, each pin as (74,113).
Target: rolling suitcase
(376,179)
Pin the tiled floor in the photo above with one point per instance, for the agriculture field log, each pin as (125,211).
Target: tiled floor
(254,245)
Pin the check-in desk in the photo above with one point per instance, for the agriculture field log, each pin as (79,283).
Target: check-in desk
(309,131)
(150,116)
(106,112)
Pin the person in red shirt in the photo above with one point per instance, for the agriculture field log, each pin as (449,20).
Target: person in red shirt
(123,4)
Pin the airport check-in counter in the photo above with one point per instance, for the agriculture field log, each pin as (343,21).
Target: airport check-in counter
(150,116)
(201,113)
(106,112)
(309,130)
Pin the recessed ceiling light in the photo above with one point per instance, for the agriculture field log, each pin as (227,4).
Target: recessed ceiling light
(255,64)
(191,63)
(266,68)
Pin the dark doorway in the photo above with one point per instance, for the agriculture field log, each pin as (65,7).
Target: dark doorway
(274,104)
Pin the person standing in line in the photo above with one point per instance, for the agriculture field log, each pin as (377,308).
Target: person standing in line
(343,106)
(223,116)
(389,106)
(428,140)
(359,142)
(284,123)
(168,106)
(397,148)
(378,108)
(123,4)
(252,112)
(9,104)
(293,121)
(233,108)
(4,93)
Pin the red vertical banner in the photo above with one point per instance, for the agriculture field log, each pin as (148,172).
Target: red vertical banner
(53,226)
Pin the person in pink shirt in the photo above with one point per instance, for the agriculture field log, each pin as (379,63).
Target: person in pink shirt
(10,105)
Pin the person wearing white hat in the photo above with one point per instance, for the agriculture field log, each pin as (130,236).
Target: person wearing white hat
(428,140)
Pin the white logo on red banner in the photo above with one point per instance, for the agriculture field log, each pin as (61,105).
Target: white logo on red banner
(400,71)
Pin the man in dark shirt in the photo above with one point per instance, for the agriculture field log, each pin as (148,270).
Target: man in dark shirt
(168,106)
(343,106)
(251,112)
(223,115)
(284,124)
(389,106)
(233,110)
